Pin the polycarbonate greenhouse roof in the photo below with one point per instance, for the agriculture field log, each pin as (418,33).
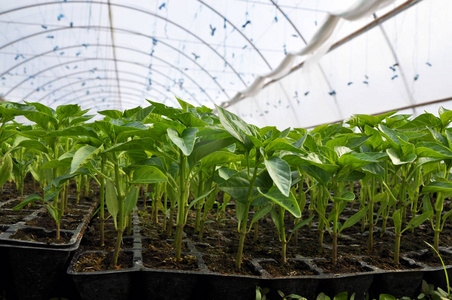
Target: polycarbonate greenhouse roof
(273,62)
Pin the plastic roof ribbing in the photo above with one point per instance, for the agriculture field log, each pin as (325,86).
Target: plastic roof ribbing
(115,54)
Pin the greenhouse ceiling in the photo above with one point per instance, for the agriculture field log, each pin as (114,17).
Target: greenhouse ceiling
(273,62)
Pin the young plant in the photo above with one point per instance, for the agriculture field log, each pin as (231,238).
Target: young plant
(413,223)
(442,189)
(263,169)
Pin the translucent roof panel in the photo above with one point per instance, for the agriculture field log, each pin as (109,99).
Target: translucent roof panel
(115,54)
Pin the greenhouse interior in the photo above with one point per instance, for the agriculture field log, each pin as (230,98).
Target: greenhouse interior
(213,149)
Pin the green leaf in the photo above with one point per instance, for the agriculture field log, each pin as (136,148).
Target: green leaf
(438,186)
(302,223)
(279,171)
(418,220)
(148,174)
(374,169)
(356,160)
(240,212)
(445,115)
(68,110)
(282,144)
(260,213)
(276,220)
(341,296)
(397,159)
(319,174)
(238,184)
(76,131)
(218,158)
(56,163)
(288,202)
(392,136)
(113,114)
(397,219)
(82,155)
(422,122)
(235,125)
(387,297)
(322,296)
(434,150)
(203,196)
(137,144)
(186,141)
(31,198)
(203,149)
(33,145)
(6,169)
(60,180)
(131,200)
(111,200)
(354,219)
(346,196)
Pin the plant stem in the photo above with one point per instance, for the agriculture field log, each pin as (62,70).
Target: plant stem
(120,211)
(58,230)
(165,209)
(182,202)
(117,246)
(370,241)
(398,237)
(102,203)
(439,209)
(238,259)
(283,235)
(335,231)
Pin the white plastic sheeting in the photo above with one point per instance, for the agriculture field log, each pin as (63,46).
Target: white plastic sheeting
(115,54)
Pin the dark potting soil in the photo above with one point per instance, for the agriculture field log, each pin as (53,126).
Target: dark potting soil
(91,239)
(342,266)
(290,268)
(386,262)
(69,221)
(164,259)
(12,217)
(39,235)
(225,264)
(100,261)
(430,258)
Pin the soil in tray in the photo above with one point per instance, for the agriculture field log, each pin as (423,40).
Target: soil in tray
(342,266)
(91,238)
(11,217)
(386,262)
(160,254)
(69,221)
(291,268)
(39,235)
(100,261)
(431,259)
(225,264)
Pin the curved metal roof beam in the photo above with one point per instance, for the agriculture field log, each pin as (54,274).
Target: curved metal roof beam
(92,88)
(237,30)
(138,10)
(127,99)
(101,78)
(131,98)
(98,70)
(77,73)
(141,52)
(86,59)
(107,45)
